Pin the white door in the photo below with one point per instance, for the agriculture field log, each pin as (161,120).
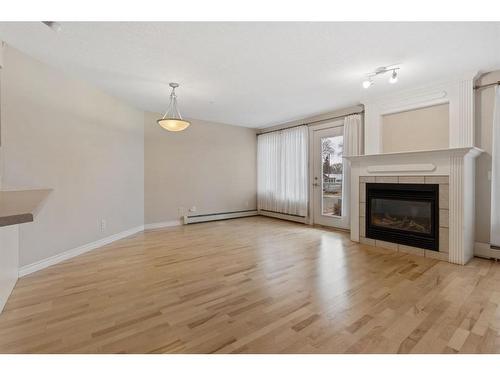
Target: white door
(328,178)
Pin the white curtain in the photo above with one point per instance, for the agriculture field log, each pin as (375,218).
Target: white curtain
(282,171)
(495,173)
(353,146)
(353,136)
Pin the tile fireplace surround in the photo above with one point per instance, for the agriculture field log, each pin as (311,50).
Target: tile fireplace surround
(452,169)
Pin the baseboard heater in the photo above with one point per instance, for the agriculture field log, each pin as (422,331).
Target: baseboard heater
(218,216)
(495,252)
(486,250)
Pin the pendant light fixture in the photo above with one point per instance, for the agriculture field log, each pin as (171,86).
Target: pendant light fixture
(172,119)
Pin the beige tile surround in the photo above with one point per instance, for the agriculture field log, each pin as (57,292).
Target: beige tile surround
(444,216)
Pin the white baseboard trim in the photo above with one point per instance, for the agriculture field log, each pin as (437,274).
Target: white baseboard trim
(297,219)
(483,250)
(221,216)
(44,263)
(163,224)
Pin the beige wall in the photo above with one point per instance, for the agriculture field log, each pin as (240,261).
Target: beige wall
(211,166)
(484,126)
(63,134)
(419,129)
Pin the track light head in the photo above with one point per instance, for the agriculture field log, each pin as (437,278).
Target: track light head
(367,83)
(394,77)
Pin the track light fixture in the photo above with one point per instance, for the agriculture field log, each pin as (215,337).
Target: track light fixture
(380,71)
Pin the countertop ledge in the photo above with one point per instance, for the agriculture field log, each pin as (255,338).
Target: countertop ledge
(20,206)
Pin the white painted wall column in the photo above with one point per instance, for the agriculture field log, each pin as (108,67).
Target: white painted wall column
(462,208)
(462,115)
(456,210)
(2,47)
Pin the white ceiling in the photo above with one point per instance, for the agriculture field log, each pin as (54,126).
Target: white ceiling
(256,74)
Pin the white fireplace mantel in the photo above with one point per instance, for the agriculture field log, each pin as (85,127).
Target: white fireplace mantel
(456,163)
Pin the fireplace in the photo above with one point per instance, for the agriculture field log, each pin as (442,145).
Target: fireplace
(406,214)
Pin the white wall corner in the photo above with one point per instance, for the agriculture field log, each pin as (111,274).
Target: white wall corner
(372,125)
(9,261)
(2,48)
(163,224)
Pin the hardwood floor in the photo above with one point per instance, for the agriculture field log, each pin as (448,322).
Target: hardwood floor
(253,285)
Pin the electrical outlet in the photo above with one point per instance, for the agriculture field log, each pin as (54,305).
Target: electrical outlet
(192,209)
(103,225)
(247,204)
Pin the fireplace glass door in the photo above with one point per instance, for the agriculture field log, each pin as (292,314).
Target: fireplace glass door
(407,214)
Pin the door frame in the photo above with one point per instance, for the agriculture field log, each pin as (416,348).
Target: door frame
(326,125)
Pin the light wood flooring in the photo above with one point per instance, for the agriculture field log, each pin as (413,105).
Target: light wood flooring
(253,285)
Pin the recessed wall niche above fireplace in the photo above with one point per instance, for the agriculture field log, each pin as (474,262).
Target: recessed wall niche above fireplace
(406,214)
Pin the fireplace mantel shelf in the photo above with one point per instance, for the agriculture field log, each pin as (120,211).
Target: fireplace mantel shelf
(473,151)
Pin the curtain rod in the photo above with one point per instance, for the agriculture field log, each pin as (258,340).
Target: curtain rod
(488,85)
(311,122)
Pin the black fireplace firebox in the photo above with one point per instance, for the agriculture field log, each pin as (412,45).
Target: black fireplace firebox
(407,214)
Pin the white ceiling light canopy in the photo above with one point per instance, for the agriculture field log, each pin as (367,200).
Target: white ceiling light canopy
(172,119)
(55,26)
(381,71)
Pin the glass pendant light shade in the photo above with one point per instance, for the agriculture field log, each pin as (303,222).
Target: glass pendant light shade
(173,125)
(172,119)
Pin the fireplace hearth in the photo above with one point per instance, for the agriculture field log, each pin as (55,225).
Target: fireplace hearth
(406,214)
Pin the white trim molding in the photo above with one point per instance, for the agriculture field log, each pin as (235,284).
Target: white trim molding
(277,215)
(428,167)
(163,224)
(2,49)
(44,263)
(221,216)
